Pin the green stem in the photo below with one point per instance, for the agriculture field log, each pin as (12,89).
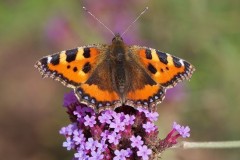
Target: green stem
(207,145)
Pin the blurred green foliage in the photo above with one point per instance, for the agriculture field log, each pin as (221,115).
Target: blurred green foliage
(206,33)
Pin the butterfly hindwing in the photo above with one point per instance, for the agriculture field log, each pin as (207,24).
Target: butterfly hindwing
(148,96)
(97,98)
(100,86)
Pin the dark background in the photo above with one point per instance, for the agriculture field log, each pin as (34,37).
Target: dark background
(206,33)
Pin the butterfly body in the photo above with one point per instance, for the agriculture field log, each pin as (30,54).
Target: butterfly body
(109,76)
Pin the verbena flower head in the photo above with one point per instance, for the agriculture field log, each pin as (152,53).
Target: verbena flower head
(125,133)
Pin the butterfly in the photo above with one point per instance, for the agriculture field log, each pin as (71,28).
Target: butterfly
(108,76)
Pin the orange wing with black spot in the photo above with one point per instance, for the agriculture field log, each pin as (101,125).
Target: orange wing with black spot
(71,67)
(81,69)
(166,70)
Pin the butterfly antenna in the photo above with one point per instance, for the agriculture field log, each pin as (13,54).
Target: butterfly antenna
(134,21)
(98,20)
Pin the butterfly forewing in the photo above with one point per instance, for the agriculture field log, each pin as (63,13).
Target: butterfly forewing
(71,67)
(165,69)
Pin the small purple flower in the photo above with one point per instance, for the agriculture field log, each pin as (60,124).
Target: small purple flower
(129,152)
(175,133)
(79,138)
(77,112)
(68,143)
(68,130)
(144,152)
(117,116)
(105,118)
(183,131)
(129,120)
(105,134)
(91,144)
(76,132)
(80,155)
(96,155)
(153,116)
(176,126)
(89,121)
(104,146)
(114,138)
(110,113)
(69,99)
(117,125)
(121,155)
(63,131)
(136,141)
(149,127)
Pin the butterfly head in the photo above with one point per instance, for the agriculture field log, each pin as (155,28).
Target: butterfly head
(117,40)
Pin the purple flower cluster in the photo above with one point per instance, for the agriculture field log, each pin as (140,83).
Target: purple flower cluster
(125,133)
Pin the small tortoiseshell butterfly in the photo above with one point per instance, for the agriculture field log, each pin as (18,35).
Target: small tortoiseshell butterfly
(109,76)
